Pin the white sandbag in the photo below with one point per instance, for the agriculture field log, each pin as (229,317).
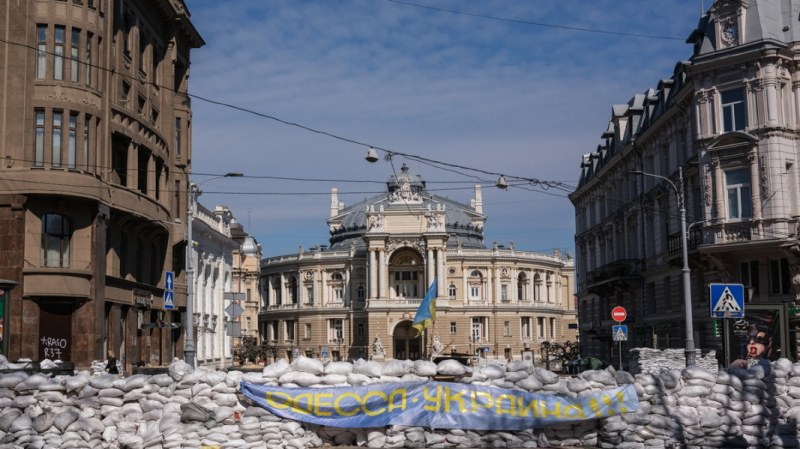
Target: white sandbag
(222,413)
(549,377)
(178,369)
(356,379)
(451,368)
(306,379)
(65,419)
(110,393)
(233,378)
(76,383)
(22,423)
(11,380)
(88,392)
(424,368)
(135,381)
(103,381)
(91,425)
(162,380)
(493,371)
(520,365)
(152,415)
(115,402)
(344,368)
(189,379)
(395,368)
(530,383)
(213,377)
(229,400)
(308,365)
(23,401)
(134,395)
(32,382)
(515,376)
(7,416)
(33,410)
(146,404)
(334,379)
(276,369)
(410,377)
(201,389)
(371,368)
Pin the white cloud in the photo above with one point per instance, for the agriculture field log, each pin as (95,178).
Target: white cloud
(501,96)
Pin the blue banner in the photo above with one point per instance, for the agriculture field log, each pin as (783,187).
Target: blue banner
(437,405)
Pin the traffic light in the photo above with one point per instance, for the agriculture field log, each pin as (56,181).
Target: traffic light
(717,328)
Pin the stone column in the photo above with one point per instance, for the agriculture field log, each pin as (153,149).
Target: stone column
(755,184)
(440,261)
(430,265)
(373,275)
(382,291)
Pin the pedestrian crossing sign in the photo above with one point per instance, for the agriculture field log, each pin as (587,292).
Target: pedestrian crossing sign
(727,300)
(169,300)
(620,332)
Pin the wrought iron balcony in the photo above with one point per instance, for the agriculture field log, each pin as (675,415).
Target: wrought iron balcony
(617,274)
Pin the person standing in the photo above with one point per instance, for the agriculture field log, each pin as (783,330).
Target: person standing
(111,363)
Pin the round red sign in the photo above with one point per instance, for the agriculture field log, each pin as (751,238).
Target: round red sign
(619,314)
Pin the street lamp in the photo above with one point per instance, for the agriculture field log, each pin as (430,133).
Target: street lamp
(687,289)
(189,349)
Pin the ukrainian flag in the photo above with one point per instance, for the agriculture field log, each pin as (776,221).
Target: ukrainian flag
(426,312)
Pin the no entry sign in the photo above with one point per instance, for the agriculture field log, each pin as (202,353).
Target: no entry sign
(619,314)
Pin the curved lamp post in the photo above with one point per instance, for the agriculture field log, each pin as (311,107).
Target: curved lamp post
(189,349)
(687,287)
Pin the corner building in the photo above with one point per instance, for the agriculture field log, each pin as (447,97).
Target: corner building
(492,303)
(722,137)
(95,145)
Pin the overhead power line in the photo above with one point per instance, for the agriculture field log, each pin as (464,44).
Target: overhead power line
(441,165)
(540,24)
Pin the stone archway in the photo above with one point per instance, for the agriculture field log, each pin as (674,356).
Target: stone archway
(406,344)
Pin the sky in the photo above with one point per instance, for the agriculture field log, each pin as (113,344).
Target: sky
(291,93)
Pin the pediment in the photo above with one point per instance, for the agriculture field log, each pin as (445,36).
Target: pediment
(736,139)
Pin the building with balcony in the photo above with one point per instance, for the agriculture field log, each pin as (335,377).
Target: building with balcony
(95,145)
(338,301)
(212,258)
(722,134)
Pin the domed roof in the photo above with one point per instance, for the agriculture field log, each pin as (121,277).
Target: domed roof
(406,191)
(250,246)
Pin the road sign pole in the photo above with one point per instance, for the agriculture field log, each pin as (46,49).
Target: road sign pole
(727,339)
(620,355)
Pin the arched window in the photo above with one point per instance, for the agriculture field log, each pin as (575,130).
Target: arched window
(451,291)
(55,240)
(522,287)
(406,274)
(336,285)
(475,285)
(549,287)
(537,287)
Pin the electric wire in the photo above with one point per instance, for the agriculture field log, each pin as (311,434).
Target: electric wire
(389,153)
(539,24)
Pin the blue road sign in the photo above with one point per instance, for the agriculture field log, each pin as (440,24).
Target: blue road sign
(620,332)
(169,280)
(169,300)
(727,300)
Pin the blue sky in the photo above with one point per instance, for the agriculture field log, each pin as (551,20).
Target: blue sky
(476,84)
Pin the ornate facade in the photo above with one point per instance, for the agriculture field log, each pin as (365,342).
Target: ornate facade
(358,297)
(95,148)
(720,137)
(211,252)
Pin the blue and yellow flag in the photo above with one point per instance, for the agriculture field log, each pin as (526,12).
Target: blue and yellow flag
(426,312)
